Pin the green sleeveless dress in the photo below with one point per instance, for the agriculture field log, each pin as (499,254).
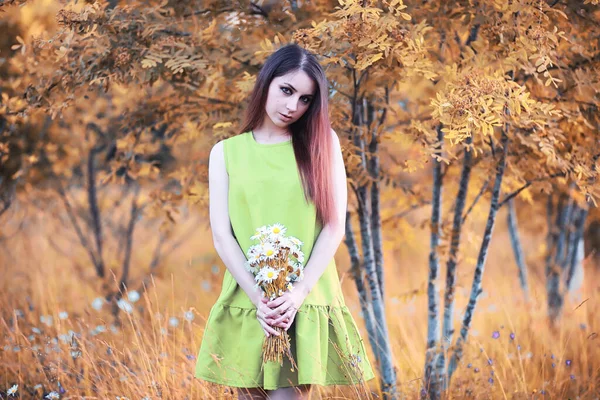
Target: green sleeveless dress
(265,188)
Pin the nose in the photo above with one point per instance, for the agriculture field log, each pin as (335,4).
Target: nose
(292,105)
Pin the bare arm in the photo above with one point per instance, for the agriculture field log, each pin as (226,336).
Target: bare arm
(224,242)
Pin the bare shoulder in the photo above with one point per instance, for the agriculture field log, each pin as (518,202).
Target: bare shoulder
(217,149)
(217,157)
(335,140)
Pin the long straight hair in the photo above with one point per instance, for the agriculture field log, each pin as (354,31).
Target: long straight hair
(311,134)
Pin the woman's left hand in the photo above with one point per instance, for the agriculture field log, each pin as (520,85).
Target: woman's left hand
(285,307)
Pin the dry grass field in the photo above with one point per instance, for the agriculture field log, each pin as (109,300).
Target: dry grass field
(59,336)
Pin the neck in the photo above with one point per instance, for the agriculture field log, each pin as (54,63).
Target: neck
(271,132)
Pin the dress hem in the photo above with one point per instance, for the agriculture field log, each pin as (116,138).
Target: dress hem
(300,382)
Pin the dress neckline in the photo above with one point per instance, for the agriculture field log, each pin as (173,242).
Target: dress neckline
(278,144)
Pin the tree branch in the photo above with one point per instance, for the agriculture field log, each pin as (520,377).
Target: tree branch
(516,192)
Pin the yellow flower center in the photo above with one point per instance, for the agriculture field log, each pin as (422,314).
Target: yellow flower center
(276,230)
(270,252)
(270,274)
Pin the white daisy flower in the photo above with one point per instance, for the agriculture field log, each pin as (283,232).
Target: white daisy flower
(295,241)
(254,258)
(269,274)
(12,390)
(269,251)
(285,243)
(247,266)
(63,315)
(174,322)
(253,250)
(277,229)
(52,396)
(259,233)
(300,257)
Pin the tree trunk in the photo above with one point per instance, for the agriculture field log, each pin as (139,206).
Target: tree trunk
(432,380)
(554,270)
(381,339)
(363,295)
(376,213)
(515,241)
(459,206)
(479,268)
(575,272)
(94,210)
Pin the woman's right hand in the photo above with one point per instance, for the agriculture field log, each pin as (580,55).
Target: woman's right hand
(261,310)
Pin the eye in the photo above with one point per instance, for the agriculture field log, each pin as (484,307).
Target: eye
(306,100)
(283,88)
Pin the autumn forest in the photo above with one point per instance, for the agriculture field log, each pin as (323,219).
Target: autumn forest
(471,140)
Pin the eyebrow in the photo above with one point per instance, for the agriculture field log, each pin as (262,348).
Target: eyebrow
(294,89)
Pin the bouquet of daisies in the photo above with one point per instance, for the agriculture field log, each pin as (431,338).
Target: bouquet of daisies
(276,262)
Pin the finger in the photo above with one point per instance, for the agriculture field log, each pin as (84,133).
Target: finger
(275,312)
(262,324)
(269,328)
(282,321)
(269,321)
(287,326)
(284,316)
(267,317)
(266,313)
(283,308)
(263,318)
(277,301)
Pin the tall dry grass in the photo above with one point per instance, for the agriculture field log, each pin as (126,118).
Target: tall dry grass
(57,338)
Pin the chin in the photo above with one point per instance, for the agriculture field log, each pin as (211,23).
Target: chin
(278,123)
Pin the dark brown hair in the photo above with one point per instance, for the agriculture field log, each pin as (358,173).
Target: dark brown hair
(311,134)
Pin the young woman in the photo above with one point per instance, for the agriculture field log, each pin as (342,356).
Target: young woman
(284,167)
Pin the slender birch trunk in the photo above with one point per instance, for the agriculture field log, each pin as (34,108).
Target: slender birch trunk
(376,212)
(555,300)
(432,384)
(479,268)
(550,240)
(515,242)
(363,295)
(575,263)
(459,206)
(571,232)
(381,338)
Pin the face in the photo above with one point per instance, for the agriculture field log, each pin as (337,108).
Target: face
(289,95)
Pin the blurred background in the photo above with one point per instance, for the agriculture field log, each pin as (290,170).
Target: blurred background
(470,137)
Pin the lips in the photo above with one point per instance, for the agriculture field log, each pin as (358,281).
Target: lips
(285,117)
